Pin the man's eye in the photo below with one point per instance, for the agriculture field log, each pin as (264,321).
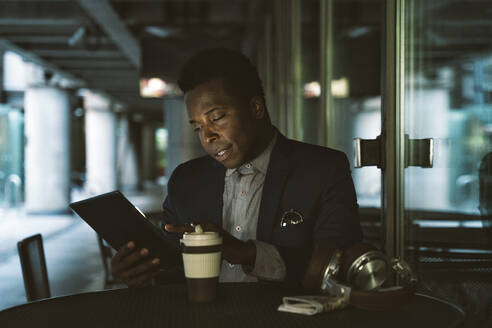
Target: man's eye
(215,119)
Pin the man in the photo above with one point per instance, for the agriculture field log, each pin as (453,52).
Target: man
(271,198)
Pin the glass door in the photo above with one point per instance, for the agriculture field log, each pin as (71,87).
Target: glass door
(435,147)
(350,99)
(446,94)
(323,89)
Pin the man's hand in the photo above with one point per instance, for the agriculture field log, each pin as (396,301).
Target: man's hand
(132,266)
(235,251)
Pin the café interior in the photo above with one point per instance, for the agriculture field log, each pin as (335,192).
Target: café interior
(89,103)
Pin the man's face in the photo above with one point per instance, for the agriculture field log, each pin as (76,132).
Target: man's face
(227,130)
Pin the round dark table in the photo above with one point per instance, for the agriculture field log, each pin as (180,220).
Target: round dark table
(238,305)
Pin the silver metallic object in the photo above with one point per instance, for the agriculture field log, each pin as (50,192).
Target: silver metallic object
(369,271)
(328,283)
(403,271)
(330,286)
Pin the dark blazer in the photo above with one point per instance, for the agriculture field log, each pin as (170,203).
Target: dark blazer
(312,180)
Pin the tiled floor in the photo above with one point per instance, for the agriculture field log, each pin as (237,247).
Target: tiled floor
(72,259)
(72,253)
(16,225)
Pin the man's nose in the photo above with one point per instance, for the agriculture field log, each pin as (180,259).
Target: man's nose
(209,135)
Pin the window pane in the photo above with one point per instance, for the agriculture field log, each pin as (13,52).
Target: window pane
(448,85)
(356,90)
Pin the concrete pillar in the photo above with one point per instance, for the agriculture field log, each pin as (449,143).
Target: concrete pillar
(149,153)
(100,141)
(47,161)
(183,143)
(2,92)
(129,154)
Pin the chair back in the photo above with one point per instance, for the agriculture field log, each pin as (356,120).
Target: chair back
(106,255)
(33,263)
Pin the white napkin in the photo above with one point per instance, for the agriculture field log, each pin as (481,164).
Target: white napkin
(312,304)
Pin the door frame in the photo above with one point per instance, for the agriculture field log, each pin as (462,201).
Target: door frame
(392,128)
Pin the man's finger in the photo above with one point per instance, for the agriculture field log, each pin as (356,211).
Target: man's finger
(143,279)
(128,261)
(179,228)
(141,268)
(123,251)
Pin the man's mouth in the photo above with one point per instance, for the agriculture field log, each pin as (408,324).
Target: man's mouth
(224,153)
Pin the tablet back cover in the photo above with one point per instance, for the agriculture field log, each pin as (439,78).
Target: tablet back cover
(118,221)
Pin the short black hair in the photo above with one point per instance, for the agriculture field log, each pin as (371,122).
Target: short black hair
(215,63)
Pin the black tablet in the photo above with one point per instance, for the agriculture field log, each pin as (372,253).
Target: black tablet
(118,221)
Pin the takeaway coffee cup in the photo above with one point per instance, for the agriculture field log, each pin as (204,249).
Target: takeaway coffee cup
(201,259)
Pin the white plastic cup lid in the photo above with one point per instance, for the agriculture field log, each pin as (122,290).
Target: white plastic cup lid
(207,238)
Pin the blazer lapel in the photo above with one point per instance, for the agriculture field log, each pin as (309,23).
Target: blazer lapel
(216,197)
(277,173)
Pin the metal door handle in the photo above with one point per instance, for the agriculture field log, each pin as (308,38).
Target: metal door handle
(419,152)
(370,152)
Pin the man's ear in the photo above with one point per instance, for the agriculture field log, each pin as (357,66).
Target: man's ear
(257,107)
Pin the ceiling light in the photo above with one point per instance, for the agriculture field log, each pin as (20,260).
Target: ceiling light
(77,37)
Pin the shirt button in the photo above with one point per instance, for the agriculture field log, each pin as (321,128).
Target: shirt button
(243,192)
(238,228)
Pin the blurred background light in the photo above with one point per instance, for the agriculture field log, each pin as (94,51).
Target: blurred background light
(157,88)
(340,88)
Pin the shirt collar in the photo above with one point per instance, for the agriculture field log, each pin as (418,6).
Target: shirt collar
(261,162)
